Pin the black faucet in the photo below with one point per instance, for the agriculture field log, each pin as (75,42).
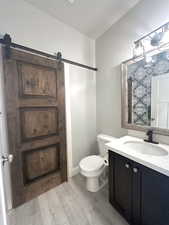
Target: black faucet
(150,137)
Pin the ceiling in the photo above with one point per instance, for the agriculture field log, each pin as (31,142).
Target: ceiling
(90,17)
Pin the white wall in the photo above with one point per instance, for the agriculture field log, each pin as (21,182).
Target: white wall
(33,28)
(112,48)
(83,106)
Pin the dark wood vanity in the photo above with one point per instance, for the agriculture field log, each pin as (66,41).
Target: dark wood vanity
(140,194)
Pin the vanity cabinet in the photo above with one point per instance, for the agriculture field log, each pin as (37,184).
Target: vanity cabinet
(140,194)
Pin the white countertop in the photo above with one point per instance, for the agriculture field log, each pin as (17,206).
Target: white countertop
(158,163)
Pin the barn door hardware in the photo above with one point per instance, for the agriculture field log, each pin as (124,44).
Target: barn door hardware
(8,158)
(59,58)
(7,41)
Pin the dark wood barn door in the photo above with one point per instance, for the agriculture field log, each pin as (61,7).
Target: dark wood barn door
(35,105)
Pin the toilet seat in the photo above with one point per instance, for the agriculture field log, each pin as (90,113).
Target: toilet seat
(92,163)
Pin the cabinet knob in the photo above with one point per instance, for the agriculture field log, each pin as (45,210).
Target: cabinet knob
(135,170)
(127,165)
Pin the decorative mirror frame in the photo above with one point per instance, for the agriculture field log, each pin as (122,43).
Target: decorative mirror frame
(124,102)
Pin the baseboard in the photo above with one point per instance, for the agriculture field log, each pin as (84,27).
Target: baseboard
(75,171)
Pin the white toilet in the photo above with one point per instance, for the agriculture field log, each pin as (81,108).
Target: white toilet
(92,167)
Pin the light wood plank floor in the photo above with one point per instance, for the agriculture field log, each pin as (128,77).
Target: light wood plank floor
(68,204)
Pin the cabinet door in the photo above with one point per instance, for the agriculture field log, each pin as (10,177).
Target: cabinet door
(121,185)
(154,198)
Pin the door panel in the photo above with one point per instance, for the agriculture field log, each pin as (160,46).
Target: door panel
(122,185)
(37,80)
(35,103)
(38,122)
(154,198)
(40,162)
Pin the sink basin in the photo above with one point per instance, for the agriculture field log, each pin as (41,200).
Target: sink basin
(146,148)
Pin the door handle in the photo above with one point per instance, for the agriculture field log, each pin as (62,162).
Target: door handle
(127,165)
(8,158)
(135,170)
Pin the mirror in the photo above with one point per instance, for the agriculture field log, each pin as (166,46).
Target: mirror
(145,92)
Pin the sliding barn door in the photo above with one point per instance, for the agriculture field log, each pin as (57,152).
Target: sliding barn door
(35,105)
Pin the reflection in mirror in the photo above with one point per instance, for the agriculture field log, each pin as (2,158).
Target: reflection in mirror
(147,87)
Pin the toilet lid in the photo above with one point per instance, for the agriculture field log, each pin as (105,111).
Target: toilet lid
(91,163)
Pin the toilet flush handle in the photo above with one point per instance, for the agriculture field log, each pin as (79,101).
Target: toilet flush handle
(106,162)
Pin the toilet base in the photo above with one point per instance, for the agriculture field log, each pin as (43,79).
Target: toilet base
(95,183)
(92,184)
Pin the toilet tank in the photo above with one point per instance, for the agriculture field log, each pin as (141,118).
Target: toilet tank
(102,139)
